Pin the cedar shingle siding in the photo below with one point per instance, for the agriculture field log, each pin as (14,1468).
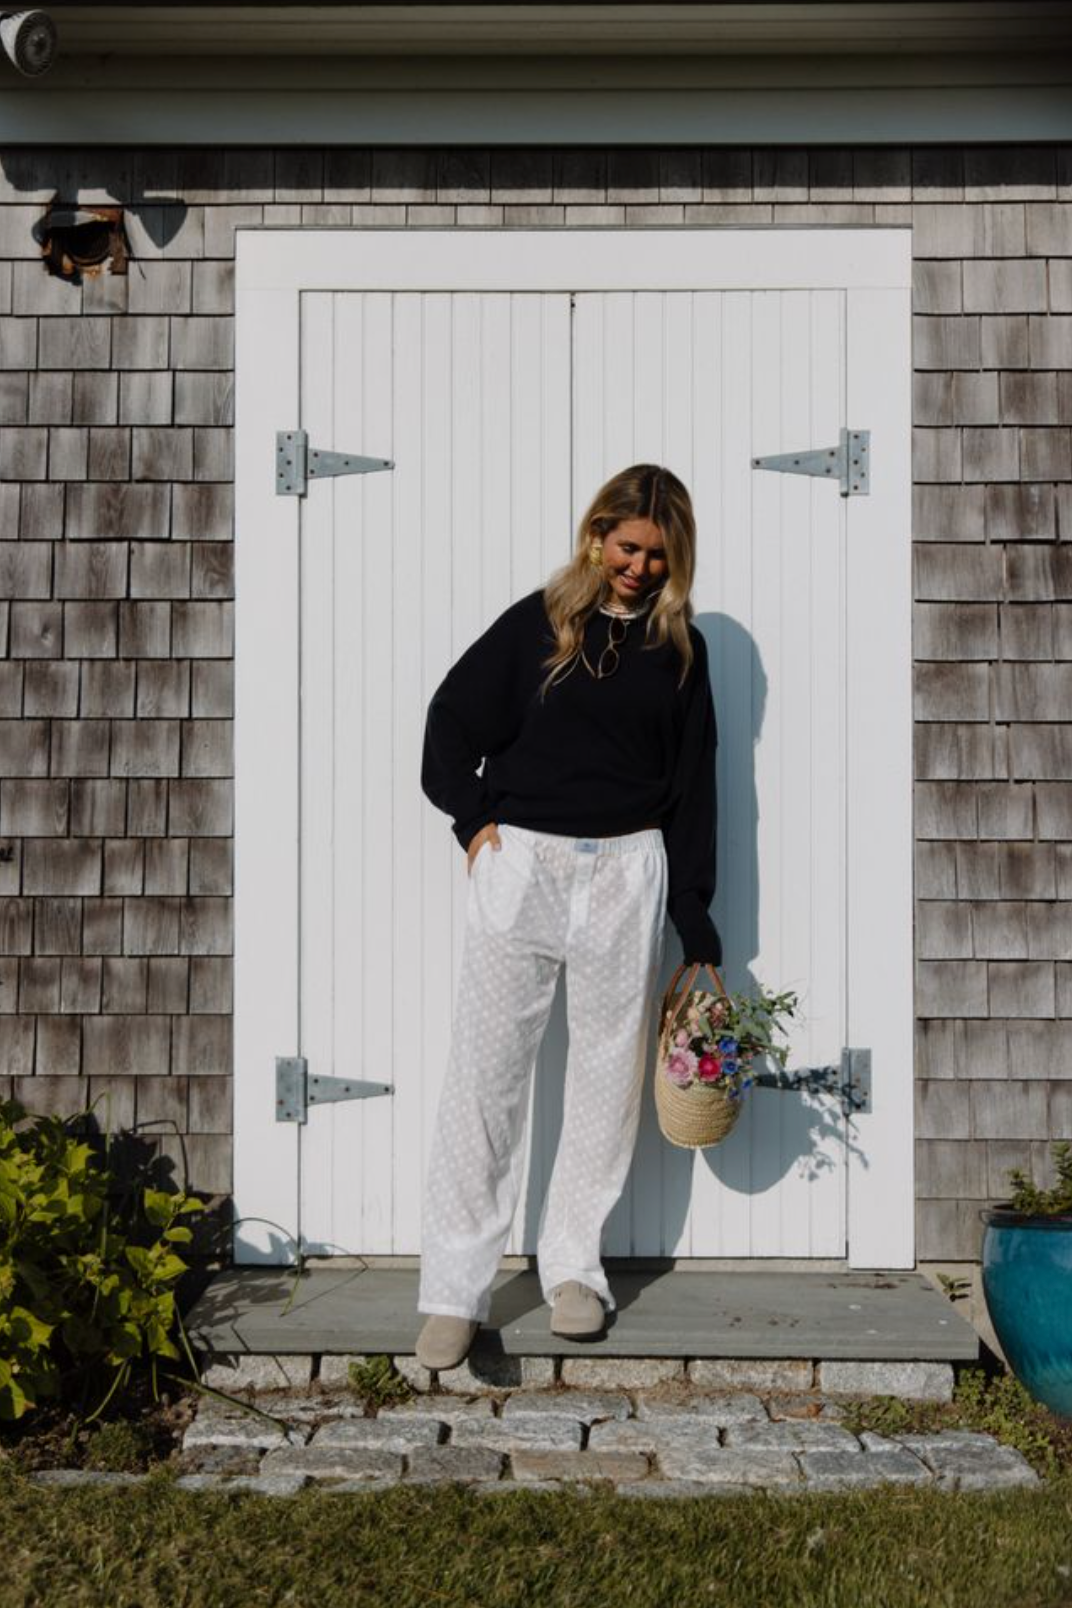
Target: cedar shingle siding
(116,614)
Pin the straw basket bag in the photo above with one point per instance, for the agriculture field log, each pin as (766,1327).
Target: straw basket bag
(700,1114)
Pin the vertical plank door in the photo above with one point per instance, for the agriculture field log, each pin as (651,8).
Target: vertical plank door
(470,394)
(504,413)
(702,381)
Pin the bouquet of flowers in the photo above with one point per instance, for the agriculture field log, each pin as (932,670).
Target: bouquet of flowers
(708,1042)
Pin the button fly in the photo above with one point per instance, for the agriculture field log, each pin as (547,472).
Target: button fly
(583,870)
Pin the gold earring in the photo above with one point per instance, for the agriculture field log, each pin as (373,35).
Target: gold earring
(595,554)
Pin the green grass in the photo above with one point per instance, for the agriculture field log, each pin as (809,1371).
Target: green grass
(152,1545)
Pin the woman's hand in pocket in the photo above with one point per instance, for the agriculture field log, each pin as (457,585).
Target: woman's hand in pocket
(487,834)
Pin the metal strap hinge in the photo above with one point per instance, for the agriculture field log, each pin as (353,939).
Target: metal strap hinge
(296,1091)
(849,461)
(296,463)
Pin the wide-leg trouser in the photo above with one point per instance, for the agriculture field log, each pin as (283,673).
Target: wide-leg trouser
(596,905)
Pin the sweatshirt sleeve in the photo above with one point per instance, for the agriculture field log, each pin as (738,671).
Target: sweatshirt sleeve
(475,710)
(690,827)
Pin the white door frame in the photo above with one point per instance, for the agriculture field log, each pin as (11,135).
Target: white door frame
(273,268)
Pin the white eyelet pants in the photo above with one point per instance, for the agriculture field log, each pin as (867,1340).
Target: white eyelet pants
(598,905)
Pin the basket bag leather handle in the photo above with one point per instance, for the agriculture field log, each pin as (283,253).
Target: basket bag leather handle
(671,1007)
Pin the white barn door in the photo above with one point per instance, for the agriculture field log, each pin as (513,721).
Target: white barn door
(703,381)
(469,394)
(507,377)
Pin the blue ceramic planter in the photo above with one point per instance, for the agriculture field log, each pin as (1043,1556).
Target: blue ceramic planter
(1027,1282)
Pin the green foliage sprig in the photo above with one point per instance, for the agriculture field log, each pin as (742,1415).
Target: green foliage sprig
(1028,1198)
(377,1381)
(754,1018)
(87,1282)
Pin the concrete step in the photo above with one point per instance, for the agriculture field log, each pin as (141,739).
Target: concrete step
(676,1316)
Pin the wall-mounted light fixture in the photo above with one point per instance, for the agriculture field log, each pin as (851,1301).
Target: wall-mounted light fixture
(80,240)
(29,40)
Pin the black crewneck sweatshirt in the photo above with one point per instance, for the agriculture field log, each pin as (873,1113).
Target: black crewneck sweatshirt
(597,758)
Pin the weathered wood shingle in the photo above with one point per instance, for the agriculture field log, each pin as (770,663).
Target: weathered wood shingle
(116,615)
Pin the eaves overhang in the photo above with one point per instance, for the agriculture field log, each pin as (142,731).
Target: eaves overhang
(670,72)
(148,27)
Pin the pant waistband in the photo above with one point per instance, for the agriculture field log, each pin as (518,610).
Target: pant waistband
(626,843)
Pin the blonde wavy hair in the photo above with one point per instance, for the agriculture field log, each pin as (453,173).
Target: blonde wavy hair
(574,592)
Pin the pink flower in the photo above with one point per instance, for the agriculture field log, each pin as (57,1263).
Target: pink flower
(709,1069)
(680,1065)
(681,1036)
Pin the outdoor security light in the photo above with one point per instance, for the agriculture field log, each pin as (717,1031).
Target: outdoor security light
(80,240)
(29,40)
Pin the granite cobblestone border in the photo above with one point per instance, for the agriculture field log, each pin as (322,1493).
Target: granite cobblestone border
(663,1439)
(489,1372)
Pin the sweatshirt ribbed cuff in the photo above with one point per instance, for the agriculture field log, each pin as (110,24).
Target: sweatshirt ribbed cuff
(699,936)
(465,831)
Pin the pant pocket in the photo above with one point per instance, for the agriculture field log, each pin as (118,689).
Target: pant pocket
(501,878)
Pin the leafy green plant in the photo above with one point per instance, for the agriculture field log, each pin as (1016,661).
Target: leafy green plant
(883,1415)
(1028,1198)
(997,1405)
(1003,1408)
(378,1382)
(87,1275)
(957,1289)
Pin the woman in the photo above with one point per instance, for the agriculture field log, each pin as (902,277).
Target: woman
(589,702)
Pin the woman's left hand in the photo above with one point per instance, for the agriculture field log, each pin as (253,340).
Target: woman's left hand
(487,834)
